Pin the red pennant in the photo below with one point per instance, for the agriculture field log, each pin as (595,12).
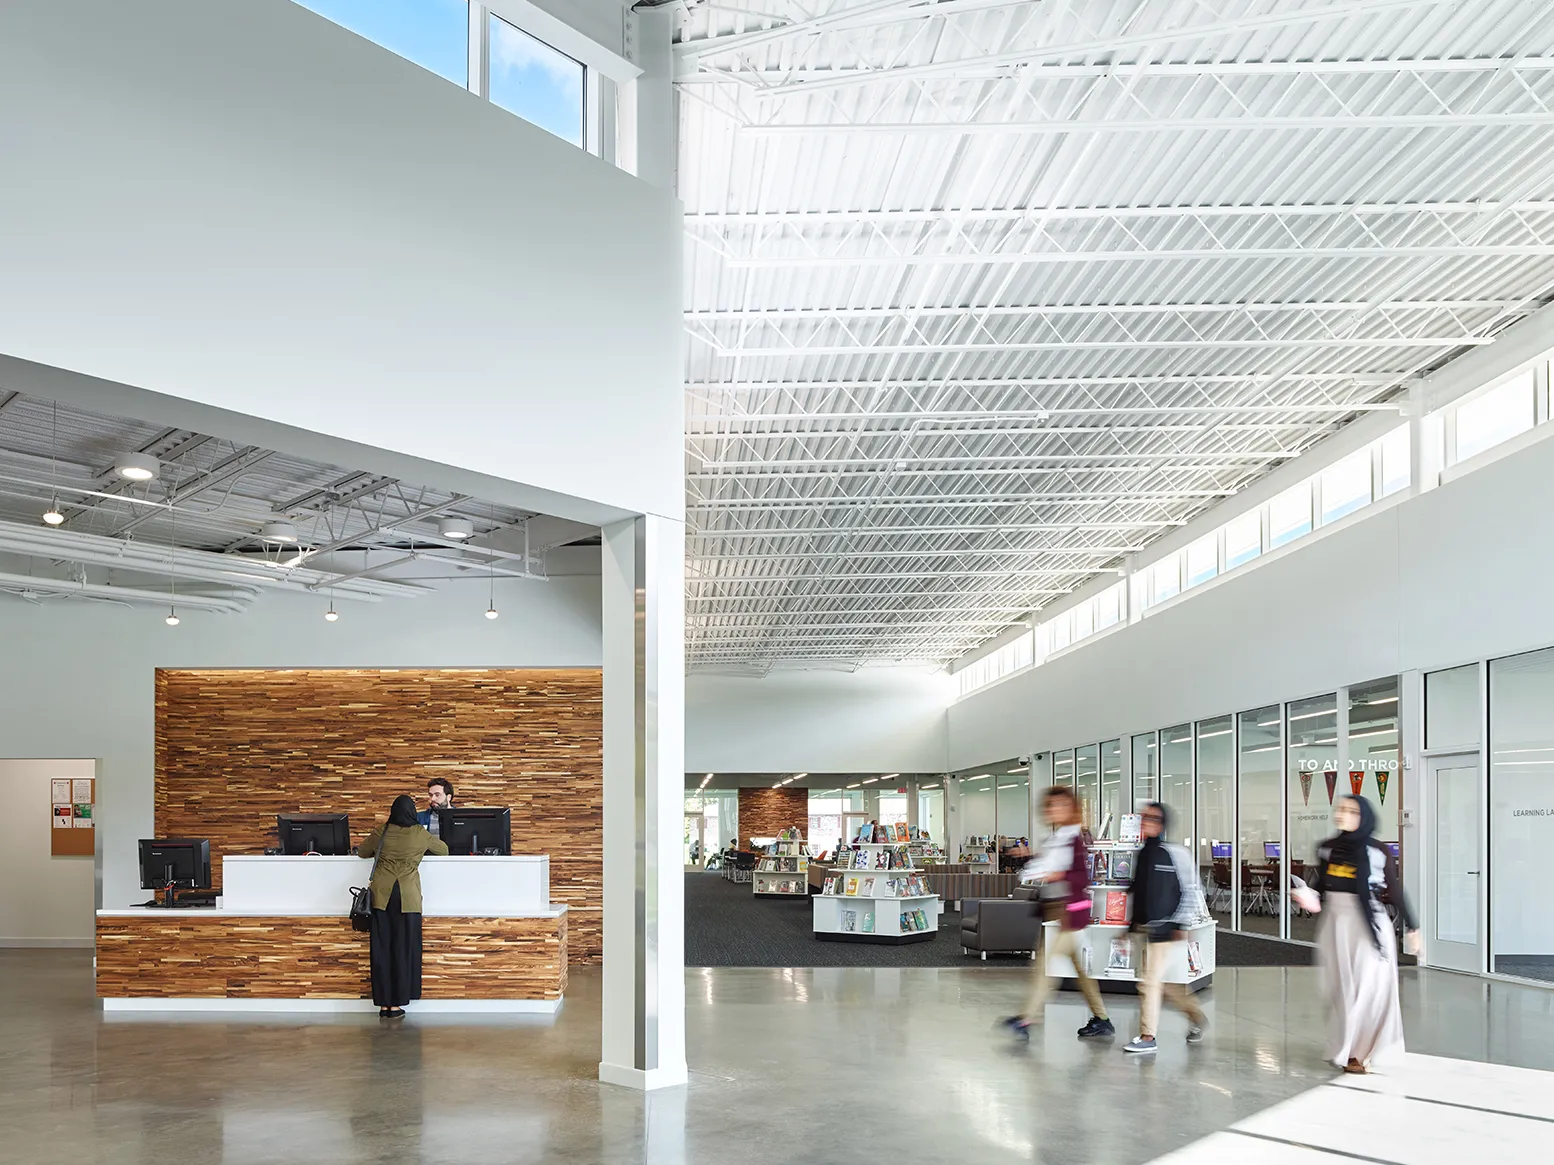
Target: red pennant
(1382,777)
(1332,784)
(1356,782)
(1305,786)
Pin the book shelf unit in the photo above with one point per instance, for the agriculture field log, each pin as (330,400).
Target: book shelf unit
(890,904)
(783,871)
(1113,954)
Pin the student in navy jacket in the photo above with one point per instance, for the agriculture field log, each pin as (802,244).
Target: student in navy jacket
(1161,900)
(1062,871)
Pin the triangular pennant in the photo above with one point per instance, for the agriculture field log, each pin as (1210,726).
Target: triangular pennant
(1382,777)
(1357,782)
(1305,786)
(1332,784)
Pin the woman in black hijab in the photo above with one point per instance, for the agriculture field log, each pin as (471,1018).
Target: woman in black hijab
(400,844)
(1359,954)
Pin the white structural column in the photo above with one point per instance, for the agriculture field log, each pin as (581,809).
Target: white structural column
(643,594)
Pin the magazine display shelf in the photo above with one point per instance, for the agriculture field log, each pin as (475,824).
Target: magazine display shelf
(880,916)
(783,871)
(1195,971)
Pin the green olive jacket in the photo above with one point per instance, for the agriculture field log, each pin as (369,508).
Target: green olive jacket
(402,848)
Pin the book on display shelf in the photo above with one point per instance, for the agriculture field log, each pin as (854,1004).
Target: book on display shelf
(830,886)
(1122,865)
(1116,906)
(1194,957)
(1121,956)
(849,920)
(866,889)
(868,922)
(852,886)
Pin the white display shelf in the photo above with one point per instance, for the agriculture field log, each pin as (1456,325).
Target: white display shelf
(765,883)
(879,897)
(1098,939)
(888,928)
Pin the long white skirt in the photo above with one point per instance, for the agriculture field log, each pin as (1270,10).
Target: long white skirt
(1359,982)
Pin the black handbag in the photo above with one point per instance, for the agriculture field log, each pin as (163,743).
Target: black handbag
(361,897)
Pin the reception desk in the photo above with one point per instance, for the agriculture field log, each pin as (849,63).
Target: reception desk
(279,939)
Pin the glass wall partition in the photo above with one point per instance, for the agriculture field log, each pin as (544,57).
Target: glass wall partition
(978,814)
(1176,783)
(1312,727)
(1260,811)
(1521,794)
(930,811)
(1063,767)
(1375,759)
(1452,708)
(1087,784)
(1216,806)
(1146,770)
(1112,804)
(1014,803)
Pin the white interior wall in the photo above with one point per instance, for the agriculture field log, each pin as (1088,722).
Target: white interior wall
(1449,576)
(247,207)
(87,687)
(871,721)
(48,900)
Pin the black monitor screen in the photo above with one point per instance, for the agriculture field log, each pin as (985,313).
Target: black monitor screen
(178,861)
(1271,850)
(477,831)
(314,833)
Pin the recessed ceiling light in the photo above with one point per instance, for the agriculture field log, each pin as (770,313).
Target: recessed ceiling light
(137,466)
(456,529)
(279,533)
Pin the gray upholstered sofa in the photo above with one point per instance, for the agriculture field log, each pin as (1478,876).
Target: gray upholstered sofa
(1000,925)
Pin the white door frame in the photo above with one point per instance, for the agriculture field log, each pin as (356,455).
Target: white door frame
(1438,954)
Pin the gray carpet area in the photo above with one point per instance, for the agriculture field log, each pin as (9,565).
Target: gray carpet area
(728,926)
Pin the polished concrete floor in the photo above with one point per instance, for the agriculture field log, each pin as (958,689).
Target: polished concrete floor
(813,1065)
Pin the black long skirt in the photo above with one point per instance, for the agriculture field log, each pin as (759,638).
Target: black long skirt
(396,954)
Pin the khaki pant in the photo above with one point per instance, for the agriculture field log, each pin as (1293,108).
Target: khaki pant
(1152,986)
(1066,943)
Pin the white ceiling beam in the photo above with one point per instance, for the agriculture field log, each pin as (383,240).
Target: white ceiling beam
(702,559)
(765,80)
(873,15)
(923,531)
(890,383)
(1178,34)
(1356,343)
(1046,213)
(1255,307)
(955,501)
(1148,254)
(1230,124)
(865,420)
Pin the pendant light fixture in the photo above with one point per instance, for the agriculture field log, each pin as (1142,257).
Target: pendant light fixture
(331,615)
(54,517)
(491,611)
(172,570)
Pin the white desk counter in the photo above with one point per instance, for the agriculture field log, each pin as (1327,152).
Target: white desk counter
(280,940)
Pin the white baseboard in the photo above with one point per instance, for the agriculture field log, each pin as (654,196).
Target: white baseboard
(74,944)
(643,1080)
(336,1006)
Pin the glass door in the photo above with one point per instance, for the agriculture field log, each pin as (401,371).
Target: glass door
(694,848)
(1455,928)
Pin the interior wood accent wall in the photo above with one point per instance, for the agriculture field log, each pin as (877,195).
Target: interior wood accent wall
(207,956)
(236,747)
(766,812)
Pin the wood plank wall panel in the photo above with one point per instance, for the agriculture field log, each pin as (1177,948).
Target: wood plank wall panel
(236,747)
(766,812)
(208,956)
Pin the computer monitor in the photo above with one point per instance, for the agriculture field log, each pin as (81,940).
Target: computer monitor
(476,831)
(1271,850)
(314,833)
(183,862)
(1220,850)
(1394,849)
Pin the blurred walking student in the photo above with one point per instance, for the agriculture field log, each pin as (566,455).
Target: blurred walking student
(1161,900)
(1062,871)
(1359,958)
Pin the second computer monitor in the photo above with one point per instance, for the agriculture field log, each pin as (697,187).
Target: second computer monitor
(174,861)
(477,831)
(314,833)
(1271,851)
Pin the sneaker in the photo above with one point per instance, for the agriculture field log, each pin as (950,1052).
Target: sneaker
(1195,1035)
(1097,1028)
(1018,1026)
(1140,1044)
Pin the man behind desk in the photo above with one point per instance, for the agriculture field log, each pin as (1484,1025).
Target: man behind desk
(439,793)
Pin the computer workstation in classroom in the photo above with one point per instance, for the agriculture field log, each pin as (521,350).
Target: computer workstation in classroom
(274,934)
